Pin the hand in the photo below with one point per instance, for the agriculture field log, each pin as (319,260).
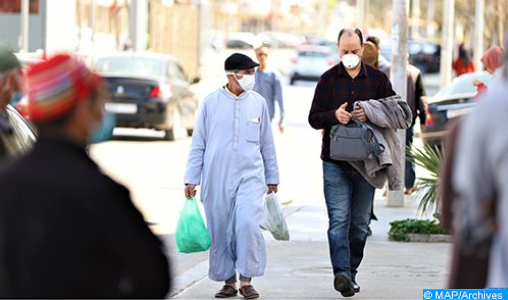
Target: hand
(281,128)
(477,82)
(360,114)
(272,189)
(342,115)
(422,127)
(190,191)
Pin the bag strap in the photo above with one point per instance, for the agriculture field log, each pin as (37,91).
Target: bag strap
(375,148)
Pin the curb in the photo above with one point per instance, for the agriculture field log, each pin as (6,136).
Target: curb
(429,238)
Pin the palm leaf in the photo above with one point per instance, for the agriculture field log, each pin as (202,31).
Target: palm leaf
(428,158)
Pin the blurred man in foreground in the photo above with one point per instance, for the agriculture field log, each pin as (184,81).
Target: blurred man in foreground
(67,230)
(479,177)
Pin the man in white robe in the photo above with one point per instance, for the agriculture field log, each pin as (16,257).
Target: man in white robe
(233,150)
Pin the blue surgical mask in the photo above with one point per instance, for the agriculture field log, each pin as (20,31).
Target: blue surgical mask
(104,130)
(15,98)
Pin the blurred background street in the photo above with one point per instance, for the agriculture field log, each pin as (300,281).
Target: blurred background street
(160,58)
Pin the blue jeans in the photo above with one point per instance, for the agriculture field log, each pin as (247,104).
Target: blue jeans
(410,175)
(349,200)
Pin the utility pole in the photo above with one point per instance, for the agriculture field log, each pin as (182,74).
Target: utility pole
(275,21)
(92,25)
(360,14)
(415,29)
(398,76)
(25,22)
(500,20)
(447,43)
(322,18)
(479,28)
(138,24)
(431,13)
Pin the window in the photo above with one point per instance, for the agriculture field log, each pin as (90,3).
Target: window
(175,71)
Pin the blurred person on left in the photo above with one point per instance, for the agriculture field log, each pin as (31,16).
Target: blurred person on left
(68,230)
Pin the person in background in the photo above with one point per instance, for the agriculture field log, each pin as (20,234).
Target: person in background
(464,62)
(492,59)
(415,99)
(268,85)
(10,86)
(68,230)
(384,64)
(11,80)
(371,57)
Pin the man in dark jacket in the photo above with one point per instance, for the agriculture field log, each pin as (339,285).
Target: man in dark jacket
(66,229)
(348,195)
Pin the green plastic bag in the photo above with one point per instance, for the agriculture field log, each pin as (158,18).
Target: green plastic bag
(191,233)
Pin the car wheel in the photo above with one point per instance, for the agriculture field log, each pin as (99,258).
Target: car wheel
(169,135)
(176,129)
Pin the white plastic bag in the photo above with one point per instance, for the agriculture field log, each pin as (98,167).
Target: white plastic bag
(273,218)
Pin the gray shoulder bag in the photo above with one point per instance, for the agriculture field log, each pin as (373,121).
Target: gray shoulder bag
(353,142)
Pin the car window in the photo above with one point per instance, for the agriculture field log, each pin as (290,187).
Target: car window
(312,54)
(175,71)
(132,66)
(464,84)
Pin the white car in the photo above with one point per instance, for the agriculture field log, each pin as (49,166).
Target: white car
(311,62)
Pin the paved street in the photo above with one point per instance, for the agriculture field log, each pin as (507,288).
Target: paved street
(153,170)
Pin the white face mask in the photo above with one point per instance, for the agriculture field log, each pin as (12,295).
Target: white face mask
(247,82)
(350,61)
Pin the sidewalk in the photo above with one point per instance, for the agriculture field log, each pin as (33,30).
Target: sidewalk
(300,269)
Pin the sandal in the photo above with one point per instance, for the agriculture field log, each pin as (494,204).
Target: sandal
(248,292)
(227,291)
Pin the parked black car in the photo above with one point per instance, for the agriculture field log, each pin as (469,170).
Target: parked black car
(425,55)
(16,135)
(148,90)
(454,100)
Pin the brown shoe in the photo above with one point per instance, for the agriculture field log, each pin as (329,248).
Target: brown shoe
(409,191)
(227,291)
(248,292)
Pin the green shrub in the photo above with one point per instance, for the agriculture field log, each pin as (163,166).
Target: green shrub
(399,230)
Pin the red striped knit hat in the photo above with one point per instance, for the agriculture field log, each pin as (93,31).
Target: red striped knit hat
(56,85)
